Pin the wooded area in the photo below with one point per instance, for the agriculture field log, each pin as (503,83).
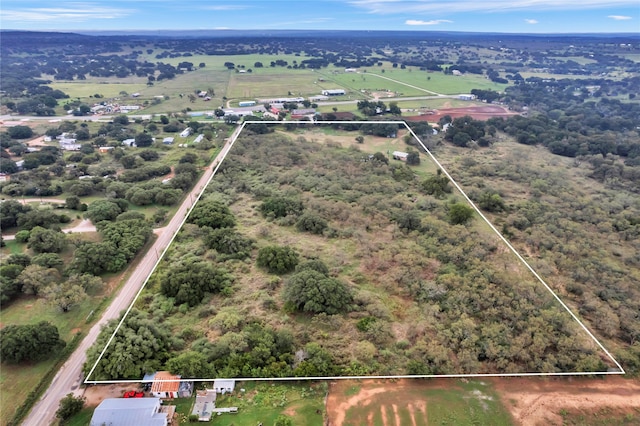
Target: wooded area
(396,279)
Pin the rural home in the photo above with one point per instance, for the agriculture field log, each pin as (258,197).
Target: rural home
(466,97)
(399,155)
(131,412)
(167,385)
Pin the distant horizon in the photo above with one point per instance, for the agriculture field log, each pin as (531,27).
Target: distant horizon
(299,30)
(489,16)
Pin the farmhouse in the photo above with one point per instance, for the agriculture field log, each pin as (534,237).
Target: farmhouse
(399,155)
(466,97)
(130,412)
(167,385)
(333,92)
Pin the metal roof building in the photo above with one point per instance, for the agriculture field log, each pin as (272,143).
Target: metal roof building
(129,412)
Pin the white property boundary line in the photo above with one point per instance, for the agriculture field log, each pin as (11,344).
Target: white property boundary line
(425,376)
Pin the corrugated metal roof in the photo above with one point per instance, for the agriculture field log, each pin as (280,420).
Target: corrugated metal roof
(129,412)
(158,386)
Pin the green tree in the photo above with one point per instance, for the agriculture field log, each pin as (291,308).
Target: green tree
(490,201)
(42,240)
(33,342)
(73,202)
(188,281)
(409,220)
(20,132)
(11,210)
(311,222)
(230,242)
(413,158)
(277,259)
(312,291)
(281,207)
(213,214)
(143,139)
(64,295)
(103,210)
(48,260)
(34,278)
(190,364)
(436,185)
(141,345)
(459,213)
(69,406)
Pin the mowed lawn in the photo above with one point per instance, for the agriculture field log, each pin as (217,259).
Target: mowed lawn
(417,403)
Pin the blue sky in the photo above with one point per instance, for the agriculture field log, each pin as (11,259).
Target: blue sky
(512,16)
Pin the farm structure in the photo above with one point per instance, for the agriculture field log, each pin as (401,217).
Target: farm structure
(333,92)
(246,103)
(130,411)
(399,155)
(167,385)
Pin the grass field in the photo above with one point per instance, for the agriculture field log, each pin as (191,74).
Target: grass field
(17,381)
(428,81)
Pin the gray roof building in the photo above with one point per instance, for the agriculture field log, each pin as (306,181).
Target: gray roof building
(129,412)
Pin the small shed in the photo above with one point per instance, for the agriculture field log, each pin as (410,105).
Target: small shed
(167,385)
(129,142)
(167,141)
(186,132)
(224,385)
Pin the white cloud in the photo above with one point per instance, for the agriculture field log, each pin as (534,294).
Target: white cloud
(619,17)
(531,21)
(387,7)
(68,12)
(432,22)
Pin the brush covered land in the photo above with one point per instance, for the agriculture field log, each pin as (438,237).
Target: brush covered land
(311,256)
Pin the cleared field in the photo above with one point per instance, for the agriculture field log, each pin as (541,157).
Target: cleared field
(414,402)
(430,81)
(85,89)
(259,84)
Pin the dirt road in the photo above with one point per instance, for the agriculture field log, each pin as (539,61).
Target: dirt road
(70,377)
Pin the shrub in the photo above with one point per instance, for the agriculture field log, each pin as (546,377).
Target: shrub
(277,260)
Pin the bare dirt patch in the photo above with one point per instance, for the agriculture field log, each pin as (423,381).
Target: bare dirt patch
(386,396)
(534,402)
(98,393)
(476,112)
